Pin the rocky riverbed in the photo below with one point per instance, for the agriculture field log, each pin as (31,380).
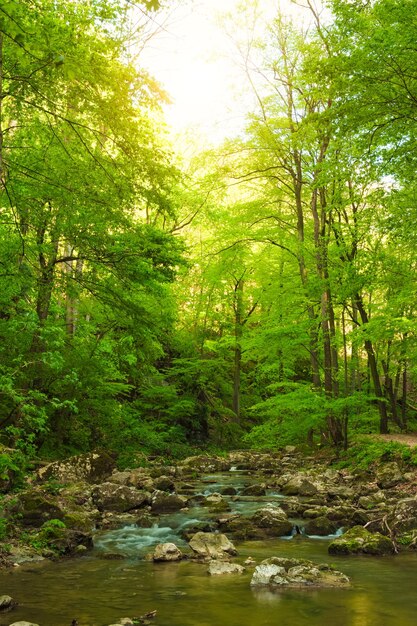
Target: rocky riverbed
(205,508)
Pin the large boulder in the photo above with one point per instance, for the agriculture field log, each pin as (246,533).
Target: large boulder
(320,527)
(163,502)
(254,490)
(219,568)
(164,483)
(212,545)
(372,500)
(241,527)
(167,552)
(66,542)
(119,498)
(358,540)
(92,468)
(299,486)
(273,521)
(404,516)
(388,475)
(282,572)
(35,506)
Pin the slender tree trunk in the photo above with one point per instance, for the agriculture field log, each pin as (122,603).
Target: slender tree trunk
(2,178)
(238,307)
(373,367)
(313,333)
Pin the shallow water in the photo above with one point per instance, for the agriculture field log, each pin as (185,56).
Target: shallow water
(97,591)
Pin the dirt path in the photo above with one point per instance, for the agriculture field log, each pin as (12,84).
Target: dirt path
(409,440)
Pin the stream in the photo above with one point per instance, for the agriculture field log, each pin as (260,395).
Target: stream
(97,590)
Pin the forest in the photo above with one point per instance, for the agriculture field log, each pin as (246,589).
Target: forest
(259,294)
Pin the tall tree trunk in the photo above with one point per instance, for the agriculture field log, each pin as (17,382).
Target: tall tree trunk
(2,178)
(313,332)
(373,367)
(239,321)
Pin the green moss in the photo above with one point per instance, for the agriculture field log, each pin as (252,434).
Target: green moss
(358,540)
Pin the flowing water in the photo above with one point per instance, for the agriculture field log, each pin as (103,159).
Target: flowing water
(97,591)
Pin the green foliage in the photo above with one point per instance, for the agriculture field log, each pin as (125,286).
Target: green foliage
(366,452)
(295,410)
(49,531)
(4,528)
(133,433)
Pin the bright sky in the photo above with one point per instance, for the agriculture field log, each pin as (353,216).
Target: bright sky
(197,61)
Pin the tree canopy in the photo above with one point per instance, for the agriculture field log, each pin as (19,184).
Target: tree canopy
(262,295)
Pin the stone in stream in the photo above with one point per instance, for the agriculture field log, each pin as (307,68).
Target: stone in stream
(164,483)
(299,486)
(273,520)
(297,573)
(212,545)
(119,498)
(254,490)
(358,540)
(166,502)
(23,624)
(219,568)
(7,603)
(229,490)
(167,552)
(216,502)
(320,527)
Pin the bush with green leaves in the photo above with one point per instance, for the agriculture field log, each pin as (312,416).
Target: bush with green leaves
(366,452)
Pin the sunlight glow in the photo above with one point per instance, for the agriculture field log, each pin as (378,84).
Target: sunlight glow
(195,57)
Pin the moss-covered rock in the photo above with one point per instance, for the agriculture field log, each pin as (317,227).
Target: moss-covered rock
(297,573)
(34,507)
(92,468)
(254,490)
(358,540)
(166,502)
(273,521)
(299,486)
(119,498)
(320,526)
(388,475)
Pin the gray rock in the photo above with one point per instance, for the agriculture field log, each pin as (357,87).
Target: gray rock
(388,475)
(119,498)
(167,552)
(23,624)
(164,483)
(299,486)
(165,502)
(92,467)
(265,573)
(320,526)
(212,545)
(273,520)
(281,572)
(404,516)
